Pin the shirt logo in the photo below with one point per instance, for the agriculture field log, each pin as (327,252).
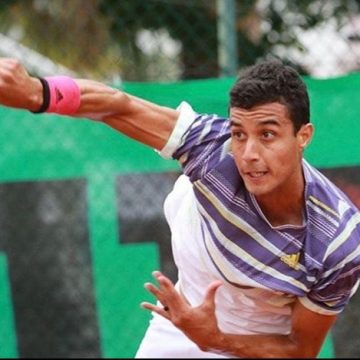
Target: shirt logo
(292,260)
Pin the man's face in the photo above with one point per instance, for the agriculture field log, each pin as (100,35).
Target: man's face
(266,149)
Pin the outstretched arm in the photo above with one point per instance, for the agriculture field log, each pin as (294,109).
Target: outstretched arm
(139,119)
(200,325)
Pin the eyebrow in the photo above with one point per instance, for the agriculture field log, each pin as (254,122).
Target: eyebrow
(260,123)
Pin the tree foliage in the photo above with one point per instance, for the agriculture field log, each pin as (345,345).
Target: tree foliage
(102,34)
(70,32)
(260,26)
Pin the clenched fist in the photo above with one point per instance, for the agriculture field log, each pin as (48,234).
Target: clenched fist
(17,88)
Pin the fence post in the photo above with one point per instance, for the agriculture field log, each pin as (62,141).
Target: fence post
(227,41)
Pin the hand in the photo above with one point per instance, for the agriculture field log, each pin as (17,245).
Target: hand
(17,88)
(198,323)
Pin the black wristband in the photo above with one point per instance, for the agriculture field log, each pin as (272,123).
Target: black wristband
(46,97)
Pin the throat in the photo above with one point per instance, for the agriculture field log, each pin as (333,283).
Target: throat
(282,213)
(285,219)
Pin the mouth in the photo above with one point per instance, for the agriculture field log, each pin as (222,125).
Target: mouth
(255,174)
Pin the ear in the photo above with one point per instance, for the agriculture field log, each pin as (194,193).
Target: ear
(304,135)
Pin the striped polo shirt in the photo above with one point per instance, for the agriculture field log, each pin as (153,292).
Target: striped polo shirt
(318,262)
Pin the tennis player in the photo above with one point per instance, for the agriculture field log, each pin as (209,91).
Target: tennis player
(267,248)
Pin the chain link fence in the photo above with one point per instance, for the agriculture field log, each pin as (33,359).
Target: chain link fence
(169,40)
(82,224)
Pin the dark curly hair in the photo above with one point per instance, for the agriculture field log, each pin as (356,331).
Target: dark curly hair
(273,81)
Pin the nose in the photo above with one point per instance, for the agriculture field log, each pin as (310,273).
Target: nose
(250,151)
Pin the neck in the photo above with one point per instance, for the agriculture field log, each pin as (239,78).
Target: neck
(286,207)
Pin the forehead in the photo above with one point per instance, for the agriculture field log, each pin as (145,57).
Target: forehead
(261,114)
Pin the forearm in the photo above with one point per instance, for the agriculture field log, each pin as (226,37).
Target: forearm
(257,346)
(98,100)
(139,119)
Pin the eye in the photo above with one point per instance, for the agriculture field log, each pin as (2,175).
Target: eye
(239,135)
(268,135)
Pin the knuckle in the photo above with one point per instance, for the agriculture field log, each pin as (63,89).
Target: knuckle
(8,70)
(177,320)
(14,64)
(6,77)
(181,320)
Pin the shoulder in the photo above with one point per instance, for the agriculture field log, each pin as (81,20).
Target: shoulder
(322,194)
(192,128)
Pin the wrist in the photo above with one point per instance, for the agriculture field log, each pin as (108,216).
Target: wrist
(215,343)
(219,341)
(36,98)
(60,95)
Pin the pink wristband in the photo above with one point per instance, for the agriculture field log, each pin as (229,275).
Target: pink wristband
(64,95)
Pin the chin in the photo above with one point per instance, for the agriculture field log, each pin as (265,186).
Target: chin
(259,190)
(256,191)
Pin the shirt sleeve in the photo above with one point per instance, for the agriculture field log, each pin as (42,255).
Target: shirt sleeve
(198,141)
(186,118)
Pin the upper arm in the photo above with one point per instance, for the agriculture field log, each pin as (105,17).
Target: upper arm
(309,329)
(137,118)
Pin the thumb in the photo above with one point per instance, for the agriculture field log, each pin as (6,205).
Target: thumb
(211,292)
